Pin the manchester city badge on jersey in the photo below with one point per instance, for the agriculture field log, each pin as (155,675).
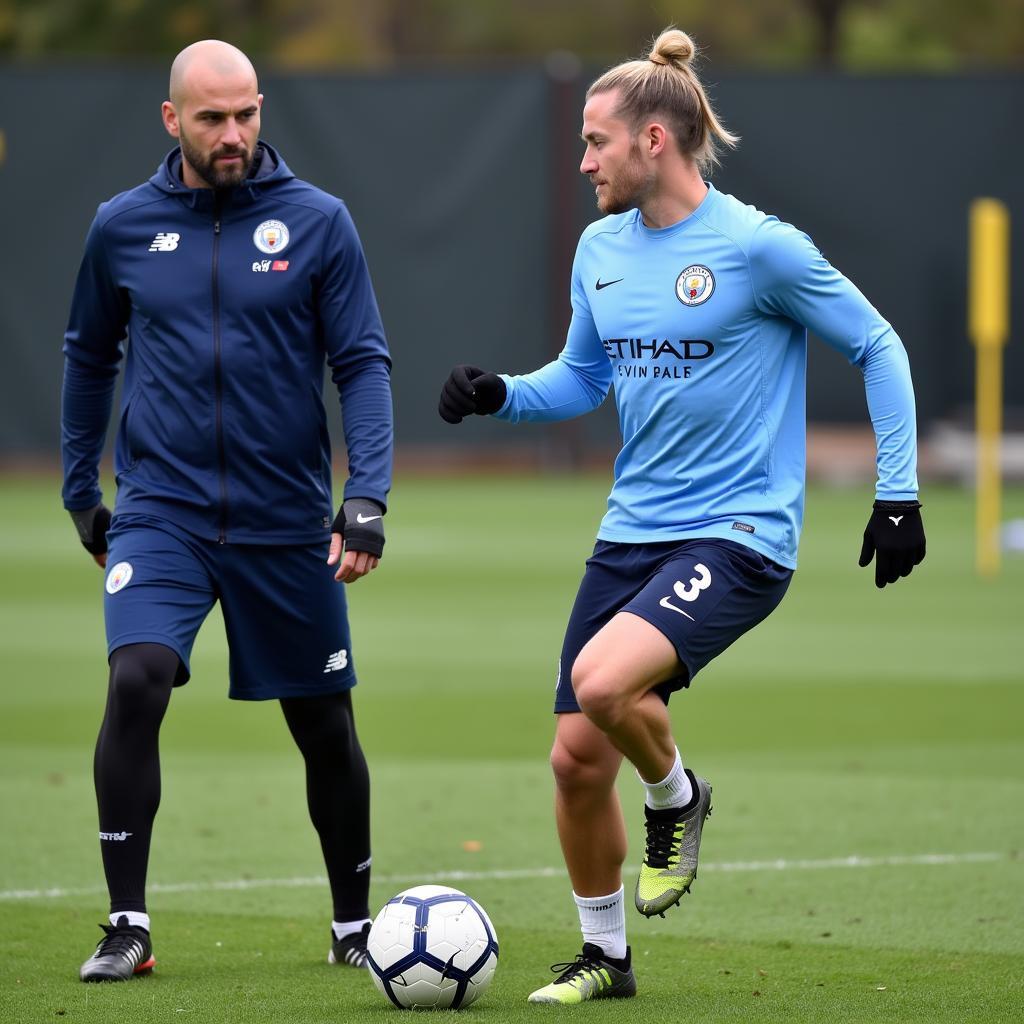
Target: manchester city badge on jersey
(271,236)
(695,285)
(118,577)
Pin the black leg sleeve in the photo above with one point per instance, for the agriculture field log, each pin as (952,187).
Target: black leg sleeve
(126,768)
(338,792)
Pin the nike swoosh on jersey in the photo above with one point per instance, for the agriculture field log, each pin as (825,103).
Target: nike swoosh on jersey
(604,284)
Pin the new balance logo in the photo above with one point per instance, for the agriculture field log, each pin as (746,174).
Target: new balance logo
(116,837)
(337,661)
(165,241)
(895,520)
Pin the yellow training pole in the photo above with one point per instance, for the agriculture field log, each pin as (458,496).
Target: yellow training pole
(988,326)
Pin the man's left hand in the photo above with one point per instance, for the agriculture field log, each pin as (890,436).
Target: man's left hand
(895,536)
(359,529)
(92,525)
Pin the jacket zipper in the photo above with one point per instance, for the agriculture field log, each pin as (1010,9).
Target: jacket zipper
(218,380)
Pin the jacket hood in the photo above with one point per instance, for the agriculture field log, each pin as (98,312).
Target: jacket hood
(268,169)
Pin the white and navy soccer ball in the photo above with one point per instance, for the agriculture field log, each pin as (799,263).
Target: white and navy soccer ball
(432,947)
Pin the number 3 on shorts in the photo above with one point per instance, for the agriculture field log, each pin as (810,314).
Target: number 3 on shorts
(690,591)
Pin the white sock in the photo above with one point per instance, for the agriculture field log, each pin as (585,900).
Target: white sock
(136,918)
(674,790)
(343,928)
(603,922)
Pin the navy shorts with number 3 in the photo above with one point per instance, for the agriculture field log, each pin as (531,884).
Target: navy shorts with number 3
(702,594)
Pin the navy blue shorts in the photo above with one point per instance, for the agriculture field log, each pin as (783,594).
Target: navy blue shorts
(284,613)
(702,594)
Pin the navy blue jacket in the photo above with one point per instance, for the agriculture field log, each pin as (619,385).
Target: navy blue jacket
(230,302)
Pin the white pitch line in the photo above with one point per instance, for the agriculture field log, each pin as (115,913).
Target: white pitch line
(516,874)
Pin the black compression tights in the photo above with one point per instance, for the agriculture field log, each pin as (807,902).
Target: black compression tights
(338,793)
(126,768)
(127,775)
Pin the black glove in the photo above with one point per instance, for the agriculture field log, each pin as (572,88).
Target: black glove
(895,536)
(469,389)
(360,522)
(92,525)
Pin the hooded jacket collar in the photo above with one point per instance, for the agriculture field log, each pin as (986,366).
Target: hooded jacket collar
(268,169)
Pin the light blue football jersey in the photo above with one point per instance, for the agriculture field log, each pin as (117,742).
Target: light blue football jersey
(702,329)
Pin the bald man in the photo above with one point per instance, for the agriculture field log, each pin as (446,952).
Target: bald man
(232,281)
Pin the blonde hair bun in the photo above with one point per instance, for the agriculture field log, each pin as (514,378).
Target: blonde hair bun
(666,87)
(673,47)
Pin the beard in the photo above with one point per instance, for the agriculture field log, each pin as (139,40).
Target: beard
(630,187)
(205,165)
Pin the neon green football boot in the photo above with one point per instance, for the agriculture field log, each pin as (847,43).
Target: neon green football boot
(591,975)
(673,843)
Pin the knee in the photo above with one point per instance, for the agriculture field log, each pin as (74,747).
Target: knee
(323,727)
(597,694)
(577,771)
(141,677)
(139,670)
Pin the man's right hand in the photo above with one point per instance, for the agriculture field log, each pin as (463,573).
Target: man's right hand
(92,525)
(468,391)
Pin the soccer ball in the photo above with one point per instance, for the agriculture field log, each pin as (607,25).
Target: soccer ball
(432,947)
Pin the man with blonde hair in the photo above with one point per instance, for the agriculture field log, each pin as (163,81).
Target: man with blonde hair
(232,282)
(696,308)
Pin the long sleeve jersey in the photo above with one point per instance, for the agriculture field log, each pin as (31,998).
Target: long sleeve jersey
(702,329)
(230,301)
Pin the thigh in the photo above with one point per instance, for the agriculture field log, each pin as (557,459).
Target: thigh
(157,589)
(614,575)
(287,622)
(704,597)
(628,654)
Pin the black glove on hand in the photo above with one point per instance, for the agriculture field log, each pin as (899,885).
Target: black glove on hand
(92,525)
(360,522)
(895,536)
(468,390)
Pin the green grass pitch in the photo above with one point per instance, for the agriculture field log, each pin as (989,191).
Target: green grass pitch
(883,726)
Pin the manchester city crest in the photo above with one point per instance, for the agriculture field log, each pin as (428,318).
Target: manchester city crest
(271,236)
(118,577)
(695,285)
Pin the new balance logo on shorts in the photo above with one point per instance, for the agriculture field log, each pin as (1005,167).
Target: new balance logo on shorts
(165,241)
(338,660)
(116,837)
